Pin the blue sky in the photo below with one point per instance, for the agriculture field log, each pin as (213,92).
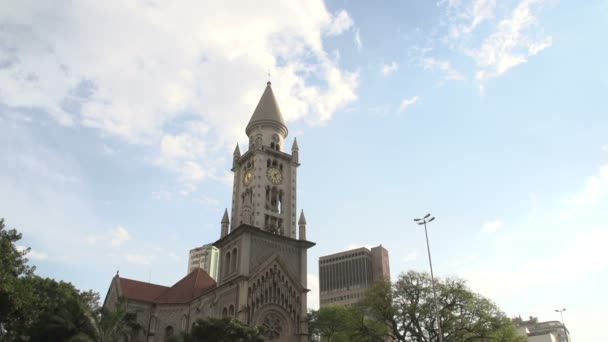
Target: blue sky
(119,120)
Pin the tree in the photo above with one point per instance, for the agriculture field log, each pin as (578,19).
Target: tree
(34,308)
(221,330)
(109,325)
(342,323)
(13,265)
(406,309)
(47,310)
(331,323)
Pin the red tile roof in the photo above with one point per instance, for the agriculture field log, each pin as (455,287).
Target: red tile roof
(191,286)
(138,290)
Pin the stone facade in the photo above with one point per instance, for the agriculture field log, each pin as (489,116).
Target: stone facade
(262,274)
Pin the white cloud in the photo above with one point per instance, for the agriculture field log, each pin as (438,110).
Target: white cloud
(594,191)
(358,41)
(541,272)
(33,254)
(93,239)
(313,295)
(492,226)
(411,256)
(510,44)
(138,259)
(119,235)
(471,16)
(107,150)
(496,36)
(388,69)
(431,63)
(150,72)
(340,23)
(605,148)
(406,103)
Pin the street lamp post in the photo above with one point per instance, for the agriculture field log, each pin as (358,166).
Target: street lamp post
(561,313)
(423,221)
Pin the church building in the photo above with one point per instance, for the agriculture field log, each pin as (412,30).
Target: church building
(262,276)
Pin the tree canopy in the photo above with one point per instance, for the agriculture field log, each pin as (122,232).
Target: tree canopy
(33,308)
(221,330)
(406,310)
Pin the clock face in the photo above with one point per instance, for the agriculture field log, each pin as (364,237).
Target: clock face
(274,175)
(248,178)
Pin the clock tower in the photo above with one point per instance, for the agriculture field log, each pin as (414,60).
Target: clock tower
(264,190)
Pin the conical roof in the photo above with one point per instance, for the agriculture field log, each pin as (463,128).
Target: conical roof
(267,112)
(225,217)
(302,219)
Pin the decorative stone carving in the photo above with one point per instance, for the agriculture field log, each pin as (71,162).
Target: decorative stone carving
(272,326)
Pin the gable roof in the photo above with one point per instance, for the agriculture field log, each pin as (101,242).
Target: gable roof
(267,112)
(189,287)
(138,290)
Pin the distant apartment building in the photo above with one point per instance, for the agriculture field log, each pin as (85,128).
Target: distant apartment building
(550,331)
(205,257)
(344,277)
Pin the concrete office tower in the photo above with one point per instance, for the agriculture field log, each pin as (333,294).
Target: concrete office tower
(344,277)
(207,258)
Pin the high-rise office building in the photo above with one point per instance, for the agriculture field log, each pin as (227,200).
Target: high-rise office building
(344,277)
(207,258)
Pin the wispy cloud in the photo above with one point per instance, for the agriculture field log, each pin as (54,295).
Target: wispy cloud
(492,226)
(594,191)
(341,23)
(510,44)
(450,74)
(574,257)
(406,103)
(496,38)
(358,41)
(387,69)
(138,259)
(411,256)
(119,236)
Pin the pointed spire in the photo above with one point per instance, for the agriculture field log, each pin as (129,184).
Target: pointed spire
(225,223)
(225,218)
(237,151)
(294,146)
(302,226)
(302,220)
(267,112)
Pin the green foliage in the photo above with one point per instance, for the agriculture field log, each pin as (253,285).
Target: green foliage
(109,325)
(47,310)
(40,309)
(406,309)
(221,330)
(13,265)
(341,323)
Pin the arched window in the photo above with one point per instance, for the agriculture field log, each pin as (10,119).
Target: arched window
(224,313)
(234,259)
(184,323)
(153,321)
(231,310)
(168,332)
(227,264)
